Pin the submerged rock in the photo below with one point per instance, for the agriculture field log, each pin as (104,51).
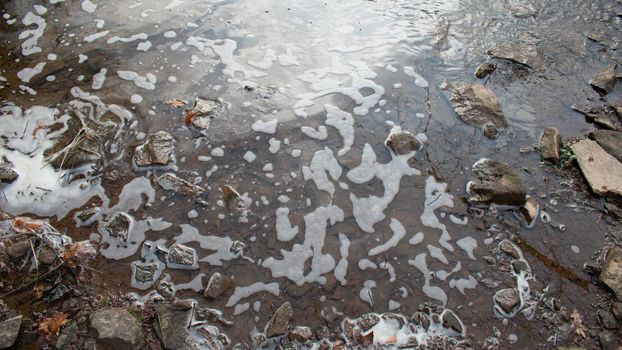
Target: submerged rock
(602,171)
(156,151)
(510,249)
(530,210)
(604,81)
(182,257)
(451,321)
(279,323)
(236,203)
(485,69)
(550,145)
(171,182)
(608,340)
(508,300)
(119,226)
(402,142)
(497,183)
(610,141)
(477,105)
(600,114)
(300,334)
(117,329)
(15,249)
(217,285)
(172,324)
(9,330)
(611,273)
(518,53)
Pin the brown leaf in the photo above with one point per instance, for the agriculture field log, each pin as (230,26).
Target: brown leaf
(52,325)
(577,322)
(190,114)
(176,102)
(38,291)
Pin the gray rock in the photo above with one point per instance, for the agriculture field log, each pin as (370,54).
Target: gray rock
(607,319)
(497,183)
(490,131)
(117,329)
(602,171)
(477,105)
(610,141)
(206,106)
(156,151)
(402,142)
(611,273)
(182,257)
(279,323)
(170,182)
(616,309)
(451,321)
(607,340)
(517,53)
(119,226)
(67,336)
(604,81)
(508,300)
(520,266)
(172,324)
(217,285)
(18,248)
(9,330)
(7,174)
(600,114)
(144,272)
(550,145)
(510,249)
(485,69)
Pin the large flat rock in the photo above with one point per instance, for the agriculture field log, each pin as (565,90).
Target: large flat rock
(602,171)
(610,141)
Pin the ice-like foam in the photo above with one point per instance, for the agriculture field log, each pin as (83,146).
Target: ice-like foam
(266,62)
(342,267)
(268,127)
(468,244)
(244,292)
(435,198)
(93,37)
(433,292)
(249,157)
(139,36)
(288,59)
(147,82)
(365,264)
(399,232)
(31,36)
(143,46)
(323,163)
(28,73)
(320,134)
(385,265)
(437,253)
(88,6)
(366,294)
(344,123)
(284,229)
(221,245)
(99,79)
(419,80)
(416,239)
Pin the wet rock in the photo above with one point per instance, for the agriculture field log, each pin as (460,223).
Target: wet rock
(485,69)
(497,183)
(206,107)
(18,248)
(529,211)
(182,257)
(236,203)
(600,114)
(477,105)
(217,285)
(607,319)
(367,322)
(9,330)
(616,309)
(604,81)
(144,272)
(611,274)
(402,142)
(46,255)
(517,53)
(602,171)
(117,329)
(279,323)
(172,324)
(490,131)
(610,141)
(67,336)
(171,182)
(520,266)
(451,321)
(156,151)
(614,210)
(300,334)
(167,289)
(7,174)
(508,300)
(119,226)
(607,340)
(550,145)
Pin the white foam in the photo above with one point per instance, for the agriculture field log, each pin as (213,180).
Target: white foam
(143,46)
(139,36)
(468,244)
(342,267)
(41,10)
(221,245)
(344,123)
(268,127)
(93,37)
(437,253)
(288,59)
(320,134)
(416,239)
(136,99)
(99,79)
(419,80)
(88,6)
(365,264)
(147,82)
(27,74)
(266,62)
(249,157)
(366,294)
(399,232)
(437,197)
(241,308)
(385,265)
(244,292)
(433,292)
(217,152)
(31,36)
(323,162)
(170,34)
(284,229)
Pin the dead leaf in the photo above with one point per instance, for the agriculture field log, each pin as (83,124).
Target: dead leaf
(38,291)
(577,322)
(52,325)
(176,102)
(26,225)
(190,114)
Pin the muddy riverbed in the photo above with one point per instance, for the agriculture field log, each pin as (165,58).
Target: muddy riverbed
(307,163)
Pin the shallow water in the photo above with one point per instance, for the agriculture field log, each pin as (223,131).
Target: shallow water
(361,64)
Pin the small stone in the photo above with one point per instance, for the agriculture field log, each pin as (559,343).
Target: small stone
(201,122)
(172,325)
(144,272)
(171,182)
(490,131)
(529,210)
(367,322)
(607,340)
(518,53)
(67,336)
(611,274)
(18,248)
(616,309)
(608,320)
(451,321)
(520,266)
(117,329)
(497,183)
(279,323)
(9,330)
(217,285)
(477,105)
(157,150)
(508,300)
(119,226)
(167,289)
(485,69)
(7,175)
(205,106)
(402,142)
(550,145)
(602,171)
(182,257)
(47,255)
(604,81)
(300,334)
(490,260)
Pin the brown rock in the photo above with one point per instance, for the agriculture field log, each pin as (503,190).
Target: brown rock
(171,182)
(484,70)
(604,81)
(117,329)
(402,142)
(518,53)
(18,248)
(300,334)
(610,141)
(279,323)
(157,150)
(529,210)
(477,105)
(508,299)
(217,285)
(611,274)
(497,183)
(550,145)
(602,171)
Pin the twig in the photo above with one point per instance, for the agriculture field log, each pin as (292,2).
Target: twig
(33,281)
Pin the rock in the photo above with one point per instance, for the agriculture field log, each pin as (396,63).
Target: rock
(7,174)
(616,309)
(367,322)
(530,210)
(508,300)
(119,226)
(420,318)
(182,257)
(490,131)
(157,150)
(550,145)
(600,114)
(604,81)
(236,203)
(67,336)
(279,323)
(144,272)
(451,321)
(46,255)
(205,106)
(117,329)
(607,319)
(9,330)
(170,182)
(217,285)
(477,105)
(610,141)
(18,248)
(485,69)
(519,266)
(611,273)
(607,340)
(497,183)
(602,171)
(172,324)
(402,142)
(518,53)
(300,334)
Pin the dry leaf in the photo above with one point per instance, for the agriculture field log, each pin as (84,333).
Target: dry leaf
(577,322)
(176,102)
(52,325)
(190,114)
(38,292)
(26,225)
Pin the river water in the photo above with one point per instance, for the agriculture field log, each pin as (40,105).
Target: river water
(309,91)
